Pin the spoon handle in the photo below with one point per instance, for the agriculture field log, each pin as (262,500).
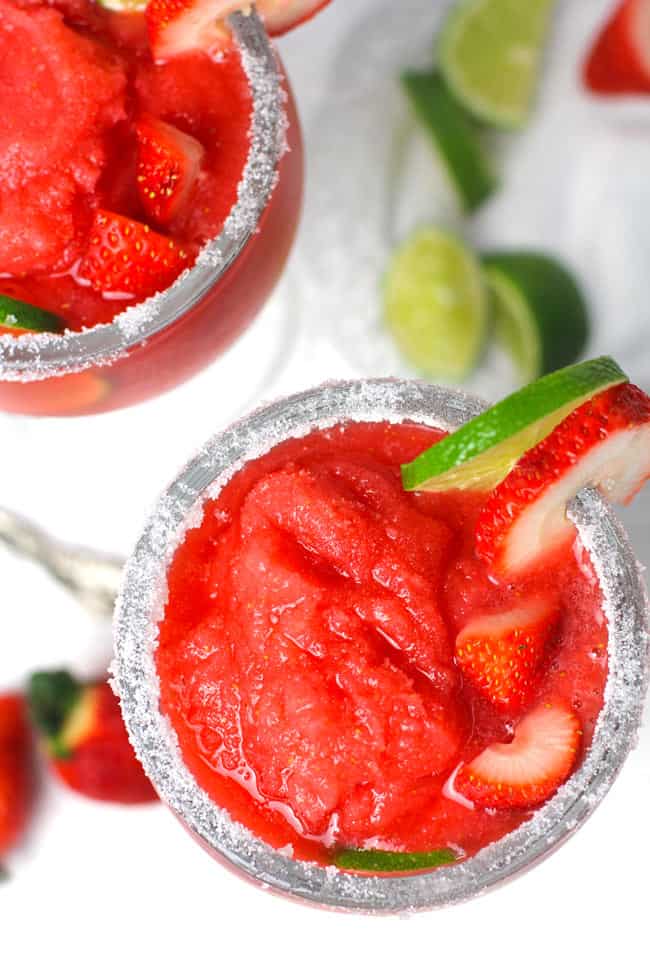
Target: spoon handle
(92,577)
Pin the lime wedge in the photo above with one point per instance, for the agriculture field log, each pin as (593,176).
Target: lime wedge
(490,53)
(453,136)
(482,452)
(20,315)
(385,861)
(435,304)
(123,6)
(540,316)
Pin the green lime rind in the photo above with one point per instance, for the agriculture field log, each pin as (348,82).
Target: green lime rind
(482,452)
(454,137)
(387,861)
(435,304)
(20,315)
(540,316)
(490,54)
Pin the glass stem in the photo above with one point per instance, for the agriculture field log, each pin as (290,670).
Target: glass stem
(92,577)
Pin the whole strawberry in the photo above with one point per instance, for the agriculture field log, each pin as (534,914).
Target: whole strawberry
(619,60)
(16,770)
(85,738)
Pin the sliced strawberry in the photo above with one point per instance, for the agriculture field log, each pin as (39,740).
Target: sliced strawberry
(501,653)
(604,443)
(128,259)
(168,163)
(283,15)
(177,26)
(85,738)
(526,771)
(619,60)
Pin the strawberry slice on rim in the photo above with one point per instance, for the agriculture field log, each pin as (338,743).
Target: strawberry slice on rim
(177,26)
(281,16)
(528,770)
(167,165)
(501,653)
(128,259)
(619,60)
(604,443)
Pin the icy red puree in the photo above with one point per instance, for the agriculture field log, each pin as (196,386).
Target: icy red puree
(306,658)
(74,78)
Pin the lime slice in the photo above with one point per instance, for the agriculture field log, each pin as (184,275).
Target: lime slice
(385,861)
(482,452)
(540,316)
(454,137)
(435,304)
(19,315)
(490,53)
(123,6)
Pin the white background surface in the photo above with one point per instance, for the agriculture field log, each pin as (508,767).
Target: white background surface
(103,889)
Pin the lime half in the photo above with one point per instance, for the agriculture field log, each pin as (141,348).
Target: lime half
(482,452)
(20,315)
(490,54)
(453,136)
(435,304)
(539,314)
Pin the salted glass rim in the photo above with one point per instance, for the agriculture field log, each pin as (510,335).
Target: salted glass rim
(141,603)
(44,355)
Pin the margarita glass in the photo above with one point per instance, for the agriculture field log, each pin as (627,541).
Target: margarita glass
(158,343)
(141,608)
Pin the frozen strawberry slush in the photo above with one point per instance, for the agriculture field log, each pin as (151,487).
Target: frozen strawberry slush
(77,82)
(62,93)
(309,659)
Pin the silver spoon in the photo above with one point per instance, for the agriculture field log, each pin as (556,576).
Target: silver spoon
(92,577)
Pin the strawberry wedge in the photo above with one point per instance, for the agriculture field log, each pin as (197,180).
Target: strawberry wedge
(500,653)
(168,163)
(619,61)
(526,771)
(604,443)
(177,26)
